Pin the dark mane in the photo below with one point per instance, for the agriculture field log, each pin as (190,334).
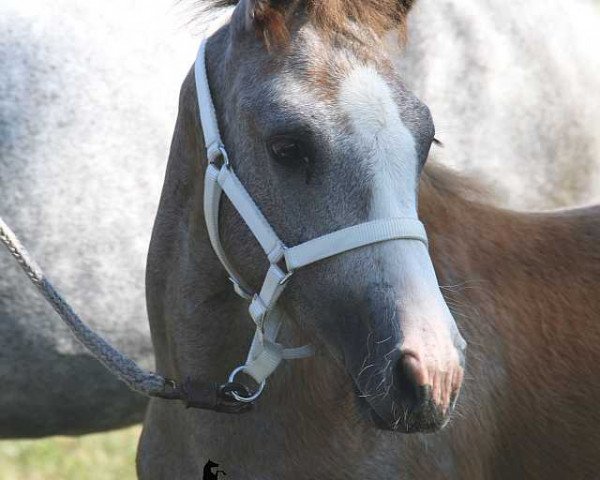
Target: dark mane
(333,16)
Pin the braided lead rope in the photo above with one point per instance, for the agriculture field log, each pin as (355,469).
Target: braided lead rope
(146,383)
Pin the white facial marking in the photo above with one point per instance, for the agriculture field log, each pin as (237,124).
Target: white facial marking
(387,143)
(379,133)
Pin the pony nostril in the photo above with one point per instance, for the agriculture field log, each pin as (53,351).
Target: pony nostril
(410,378)
(417,393)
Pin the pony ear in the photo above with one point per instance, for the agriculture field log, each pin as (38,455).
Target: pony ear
(268,19)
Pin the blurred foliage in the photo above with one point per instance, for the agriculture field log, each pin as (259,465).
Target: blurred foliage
(105,456)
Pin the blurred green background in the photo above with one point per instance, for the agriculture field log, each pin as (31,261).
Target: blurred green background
(107,456)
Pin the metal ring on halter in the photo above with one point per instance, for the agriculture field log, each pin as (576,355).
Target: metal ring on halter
(251,398)
(219,153)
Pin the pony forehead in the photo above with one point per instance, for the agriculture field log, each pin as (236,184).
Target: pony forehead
(355,100)
(318,79)
(327,68)
(311,75)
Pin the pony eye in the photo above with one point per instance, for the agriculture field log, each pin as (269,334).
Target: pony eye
(287,150)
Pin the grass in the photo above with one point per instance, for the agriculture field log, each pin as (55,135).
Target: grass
(105,456)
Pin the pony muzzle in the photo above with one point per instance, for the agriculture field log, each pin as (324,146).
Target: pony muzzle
(415,388)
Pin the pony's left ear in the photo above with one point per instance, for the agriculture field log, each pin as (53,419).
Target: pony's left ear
(267,18)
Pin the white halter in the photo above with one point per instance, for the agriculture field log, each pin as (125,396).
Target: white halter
(265,354)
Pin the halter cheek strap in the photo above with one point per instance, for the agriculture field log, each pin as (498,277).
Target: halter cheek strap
(265,353)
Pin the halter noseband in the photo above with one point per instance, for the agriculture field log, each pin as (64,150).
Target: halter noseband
(265,353)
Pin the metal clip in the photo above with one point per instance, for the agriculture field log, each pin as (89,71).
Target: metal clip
(218,153)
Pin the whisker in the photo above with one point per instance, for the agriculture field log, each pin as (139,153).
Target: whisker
(383,341)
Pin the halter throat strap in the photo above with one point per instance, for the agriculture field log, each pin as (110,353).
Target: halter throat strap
(265,353)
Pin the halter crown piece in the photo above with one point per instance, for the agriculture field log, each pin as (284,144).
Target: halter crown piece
(265,353)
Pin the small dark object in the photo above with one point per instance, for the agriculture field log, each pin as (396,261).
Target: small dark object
(208,474)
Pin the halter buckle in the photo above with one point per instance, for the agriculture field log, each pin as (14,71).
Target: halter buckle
(218,152)
(285,279)
(285,267)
